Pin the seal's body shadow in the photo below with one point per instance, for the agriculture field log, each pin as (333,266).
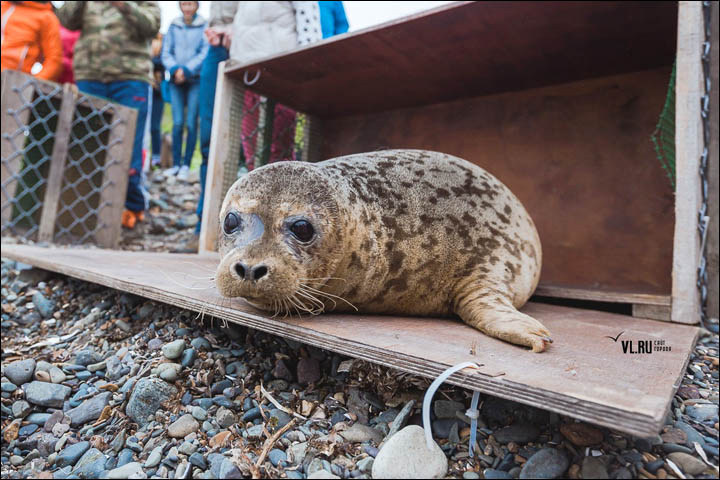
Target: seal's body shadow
(404,232)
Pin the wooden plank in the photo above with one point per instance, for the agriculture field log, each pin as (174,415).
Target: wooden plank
(713,179)
(546,290)
(583,375)
(578,157)
(11,161)
(468,49)
(115,178)
(655,312)
(688,147)
(57,165)
(218,155)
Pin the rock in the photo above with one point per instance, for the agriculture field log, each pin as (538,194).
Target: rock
(674,435)
(358,405)
(365,465)
(442,428)
(183,426)
(229,470)
(174,349)
(129,470)
(401,419)
(8,387)
(21,409)
(201,343)
(687,463)
(308,371)
(593,467)
(359,433)
(154,458)
(187,221)
(89,410)
(250,415)
(10,432)
(519,433)
(198,460)
(447,408)
(225,417)
(255,433)
(20,371)
(87,357)
(692,434)
(46,394)
(687,392)
(277,456)
(581,434)
(490,473)
(702,412)
(297,452)
(169,371)
(43,306)
(70,455)
(90,465)
(322,474)
(199,413)
(38,418)
(546,463)
(406,455)
(147,397)
(188,357)
(279,418)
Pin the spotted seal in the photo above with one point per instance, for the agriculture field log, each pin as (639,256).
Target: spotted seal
(405,232)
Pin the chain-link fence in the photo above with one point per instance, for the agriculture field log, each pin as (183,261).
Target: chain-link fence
(65,160)
(270,132)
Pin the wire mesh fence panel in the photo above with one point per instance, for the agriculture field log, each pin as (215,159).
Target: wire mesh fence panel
(250,131)
(29,120)
(65,160)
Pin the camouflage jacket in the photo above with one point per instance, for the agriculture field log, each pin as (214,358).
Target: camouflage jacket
(115,42)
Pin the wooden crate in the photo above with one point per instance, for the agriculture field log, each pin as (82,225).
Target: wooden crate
(556,99)
(82,153)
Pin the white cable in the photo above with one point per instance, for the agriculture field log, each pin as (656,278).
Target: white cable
(431,392)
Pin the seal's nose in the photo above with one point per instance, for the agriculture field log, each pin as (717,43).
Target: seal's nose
(247,272)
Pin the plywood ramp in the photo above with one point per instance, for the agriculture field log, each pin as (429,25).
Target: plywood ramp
(584,374)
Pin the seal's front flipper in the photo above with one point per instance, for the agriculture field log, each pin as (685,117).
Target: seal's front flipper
(501,320)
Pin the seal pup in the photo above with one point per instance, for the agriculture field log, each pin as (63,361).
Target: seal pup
(404,232)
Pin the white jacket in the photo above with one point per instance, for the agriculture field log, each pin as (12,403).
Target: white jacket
(263,29)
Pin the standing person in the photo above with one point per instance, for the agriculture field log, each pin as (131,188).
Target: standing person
(30,34)
(261,29)
(333,19)
(218,37)
(68,39)
(184,49)
(112,60)
(158,100)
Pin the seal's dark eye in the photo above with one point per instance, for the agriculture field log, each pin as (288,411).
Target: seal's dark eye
(302,230)
(231,223)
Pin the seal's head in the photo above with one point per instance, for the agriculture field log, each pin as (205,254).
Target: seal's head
(280,229)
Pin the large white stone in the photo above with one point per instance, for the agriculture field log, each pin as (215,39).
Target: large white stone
(406,455)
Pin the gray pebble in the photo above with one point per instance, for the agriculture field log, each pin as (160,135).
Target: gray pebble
(199,413)
(21,409)
(89,410)
(46,394)
(198,460)
(174,349)
(519,433)
(547,463)
(70,455)
(188,357)
(20,371)
(201,343)
(146,398)
(43,306)
(277,456)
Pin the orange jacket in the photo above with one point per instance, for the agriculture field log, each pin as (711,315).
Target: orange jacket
(31,33)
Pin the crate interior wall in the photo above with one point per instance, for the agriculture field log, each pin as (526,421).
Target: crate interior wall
(556,99)
(65,158)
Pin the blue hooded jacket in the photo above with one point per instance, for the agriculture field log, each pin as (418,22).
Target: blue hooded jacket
(332,18)
(185,46)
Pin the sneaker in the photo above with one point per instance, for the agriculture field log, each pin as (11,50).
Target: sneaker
(128,219)
(171,172)
(183,173)
(140,216)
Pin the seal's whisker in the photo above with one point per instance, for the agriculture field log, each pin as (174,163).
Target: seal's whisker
(311,311)
(314,300)
(303,289)
(323,279)
(184,286)
(199,267)
(318,292)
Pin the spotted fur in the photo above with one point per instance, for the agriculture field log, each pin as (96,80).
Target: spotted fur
(408,232)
